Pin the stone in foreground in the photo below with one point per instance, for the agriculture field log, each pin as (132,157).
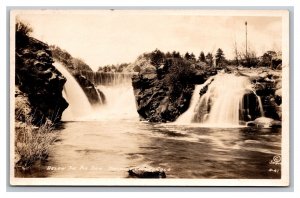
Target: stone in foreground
(146,172)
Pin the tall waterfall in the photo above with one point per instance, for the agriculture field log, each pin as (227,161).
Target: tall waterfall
(79,106)
(228,100)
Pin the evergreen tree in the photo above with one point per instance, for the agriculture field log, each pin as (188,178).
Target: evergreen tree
(209,59)
(220,57)
(176,54)
(192,57)
(202,57)
(187,56)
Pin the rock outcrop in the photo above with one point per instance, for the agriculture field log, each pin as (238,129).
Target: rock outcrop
(39,79)
(163,93)
(94,95)
(268,86)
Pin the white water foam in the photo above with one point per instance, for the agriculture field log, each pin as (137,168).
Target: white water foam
(79,106)
(220,106)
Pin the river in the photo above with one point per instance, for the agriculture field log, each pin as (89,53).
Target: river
(109,148)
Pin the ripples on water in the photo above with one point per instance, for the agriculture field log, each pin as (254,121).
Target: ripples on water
(107,149)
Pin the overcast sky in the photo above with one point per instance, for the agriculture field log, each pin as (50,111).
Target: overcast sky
(112,37)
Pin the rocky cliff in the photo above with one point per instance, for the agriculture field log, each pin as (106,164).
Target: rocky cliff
(268,85)
(164,92)
(36,77)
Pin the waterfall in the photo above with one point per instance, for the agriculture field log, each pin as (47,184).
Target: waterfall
(187,116)
(260,106)
(120,100)
(79,106)
(228,101)
(107,78)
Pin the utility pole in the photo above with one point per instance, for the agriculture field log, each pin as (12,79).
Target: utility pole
(246,40)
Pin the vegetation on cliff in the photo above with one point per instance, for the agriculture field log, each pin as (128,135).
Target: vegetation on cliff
(71,63)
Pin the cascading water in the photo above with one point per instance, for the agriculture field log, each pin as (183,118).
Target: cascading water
(225,103)
(227,92)
(107,78)
(79,106)
(187,116)
(120,101)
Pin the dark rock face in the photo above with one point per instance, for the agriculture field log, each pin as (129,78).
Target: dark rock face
(268,87)
(157,98)
(95,96)
(251,109)
(38,78)
(153,99)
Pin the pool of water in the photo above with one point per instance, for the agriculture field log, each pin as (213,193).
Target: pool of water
(109,148)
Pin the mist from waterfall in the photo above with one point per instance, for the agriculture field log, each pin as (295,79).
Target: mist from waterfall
(79,105)
(224,103)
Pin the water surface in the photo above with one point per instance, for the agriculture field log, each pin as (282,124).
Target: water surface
(108,148)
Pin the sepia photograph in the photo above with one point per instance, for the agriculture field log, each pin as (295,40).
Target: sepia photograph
(149,97)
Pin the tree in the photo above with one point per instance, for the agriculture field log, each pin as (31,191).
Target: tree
(220,57)
(209,58)
(267,58)
(192,57)
(157,57)
(176,54)
(168,55)
(187,56)
(202,57)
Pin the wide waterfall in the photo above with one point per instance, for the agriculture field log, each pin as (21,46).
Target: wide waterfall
(107,78)
(120,100)
(229,100)
(79,106)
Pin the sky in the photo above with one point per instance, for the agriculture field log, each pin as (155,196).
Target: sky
(114,37)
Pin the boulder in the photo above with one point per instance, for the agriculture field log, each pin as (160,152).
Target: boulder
(146,172)
(268,85)
(264,122)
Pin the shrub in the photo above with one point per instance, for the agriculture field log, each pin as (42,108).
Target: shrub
(23,29)
(31,142)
